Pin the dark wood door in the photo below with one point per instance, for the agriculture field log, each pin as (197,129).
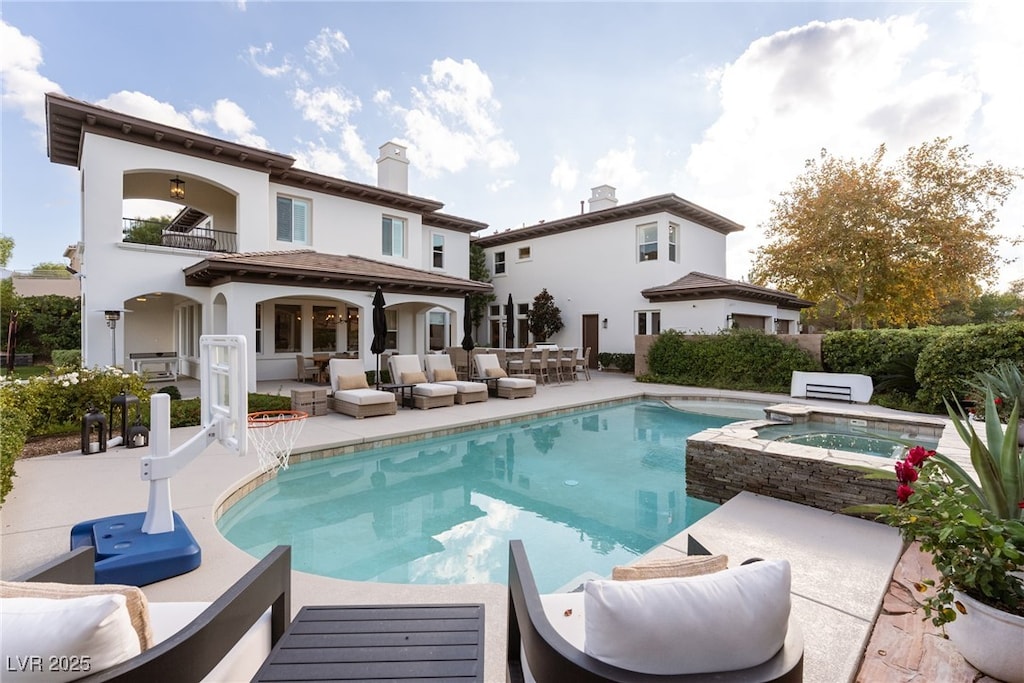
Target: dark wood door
(591,327)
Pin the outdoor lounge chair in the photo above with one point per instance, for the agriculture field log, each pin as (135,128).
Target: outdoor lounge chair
(548,635)
(487,366)
(467,392)
(226,640)
(406,369)
(352,395)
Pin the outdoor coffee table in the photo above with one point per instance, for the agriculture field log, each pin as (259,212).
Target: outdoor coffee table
(402,391)
(371,642)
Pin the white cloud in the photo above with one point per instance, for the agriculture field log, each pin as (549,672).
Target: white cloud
(355,149)
(321,157)
(328,108)
(618,169)
(146,107)
(232,119)
(501,184)
(322,49)
(23,85)
(564,175)
(255,55)
(847,86)
(451,120)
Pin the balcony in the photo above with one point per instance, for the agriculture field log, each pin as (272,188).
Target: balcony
(175,234)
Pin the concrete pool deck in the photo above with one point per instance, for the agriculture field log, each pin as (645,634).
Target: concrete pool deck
(53,493)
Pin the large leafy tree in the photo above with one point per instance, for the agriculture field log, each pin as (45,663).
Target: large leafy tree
(880,245)
(479,272)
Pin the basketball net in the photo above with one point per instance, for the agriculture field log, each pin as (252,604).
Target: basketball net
(273,434)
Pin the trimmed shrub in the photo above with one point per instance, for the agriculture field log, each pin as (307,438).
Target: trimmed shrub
(946,367)
(171,391)
(732,359)
(66,358)
(623,361)
(187,412)
(873,352)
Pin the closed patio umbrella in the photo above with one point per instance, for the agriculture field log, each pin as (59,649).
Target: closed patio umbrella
(510,319)
(380,329)
(467,335)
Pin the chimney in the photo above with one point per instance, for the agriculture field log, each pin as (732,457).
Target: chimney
(602,197)
(393,168)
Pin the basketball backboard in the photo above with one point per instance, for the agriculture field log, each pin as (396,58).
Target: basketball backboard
(224,387)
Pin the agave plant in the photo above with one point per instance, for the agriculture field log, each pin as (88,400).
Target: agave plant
(1005,380)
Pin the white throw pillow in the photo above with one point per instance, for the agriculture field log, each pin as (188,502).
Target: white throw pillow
(724,621)
(61,640)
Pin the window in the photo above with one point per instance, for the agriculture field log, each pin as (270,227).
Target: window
(673,232)
(287,328)
(325,328)
(391,341)
(495,309)
(524,253)
(499,263)
(648,322)
(392,236)
(438,251)
(438,323)
(647,239)
(522,309)
(292,220)
(352,317)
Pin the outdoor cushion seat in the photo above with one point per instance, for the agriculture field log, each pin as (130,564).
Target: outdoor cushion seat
(507,387)
(424,394)
(466,392)
(360,401)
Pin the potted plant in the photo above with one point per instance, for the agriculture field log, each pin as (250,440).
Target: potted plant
(974,530)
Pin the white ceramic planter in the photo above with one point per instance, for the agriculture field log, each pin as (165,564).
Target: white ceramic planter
(990,639)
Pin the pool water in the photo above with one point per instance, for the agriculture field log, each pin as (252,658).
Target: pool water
(837,437)
(585,491)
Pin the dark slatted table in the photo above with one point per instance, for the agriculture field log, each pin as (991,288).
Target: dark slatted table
(391,642)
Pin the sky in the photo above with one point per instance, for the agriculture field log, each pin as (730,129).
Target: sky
(512,112)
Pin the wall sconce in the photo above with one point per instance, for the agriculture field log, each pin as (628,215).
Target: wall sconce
(177,188)
(604,323)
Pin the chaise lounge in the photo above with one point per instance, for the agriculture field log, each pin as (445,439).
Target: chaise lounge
(406,369)
(731,626)
(439,369)
(487,366)
(351,393)
(186,642)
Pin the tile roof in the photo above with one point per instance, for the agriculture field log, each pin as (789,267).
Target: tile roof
(703,286)
(668,203)
(308,268)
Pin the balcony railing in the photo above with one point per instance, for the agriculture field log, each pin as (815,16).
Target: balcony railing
(139,231)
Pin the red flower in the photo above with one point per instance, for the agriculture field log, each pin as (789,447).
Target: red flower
(905,472)
(998,401)
(917,455)
(903,492)
(1021,505)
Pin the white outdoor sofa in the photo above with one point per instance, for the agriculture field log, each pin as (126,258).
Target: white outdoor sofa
(351,394)
(439,366)
(488,367)
(406,369)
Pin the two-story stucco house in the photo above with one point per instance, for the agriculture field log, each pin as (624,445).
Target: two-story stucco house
(287,257)
(620,270)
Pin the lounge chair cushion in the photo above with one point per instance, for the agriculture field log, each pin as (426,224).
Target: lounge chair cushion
(496,372)
(364,397)
(135,600)
(516,383)
(96,630)
(432,389)
(353,382)
(413,377)
(716,622)
(687,565)
(445,375)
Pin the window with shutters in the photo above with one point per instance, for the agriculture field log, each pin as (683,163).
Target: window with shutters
(392,236)
(292,220)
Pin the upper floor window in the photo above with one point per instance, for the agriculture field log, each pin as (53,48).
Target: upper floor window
(292,220)
(673,237)
(524,253)
(392,236)
(499,263)
(438,250)
(647,242)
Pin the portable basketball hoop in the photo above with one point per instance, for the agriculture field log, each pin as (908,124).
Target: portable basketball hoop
(273,434)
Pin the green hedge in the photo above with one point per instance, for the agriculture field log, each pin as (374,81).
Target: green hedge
(945,366)
(623,361)
(871,352)
(732,359)
(66,358)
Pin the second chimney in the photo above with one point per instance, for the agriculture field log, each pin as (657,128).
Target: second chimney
(393,168)
(602,197)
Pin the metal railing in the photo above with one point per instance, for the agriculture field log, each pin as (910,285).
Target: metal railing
(137,231)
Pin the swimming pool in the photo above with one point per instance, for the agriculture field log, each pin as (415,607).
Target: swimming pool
(585,491)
